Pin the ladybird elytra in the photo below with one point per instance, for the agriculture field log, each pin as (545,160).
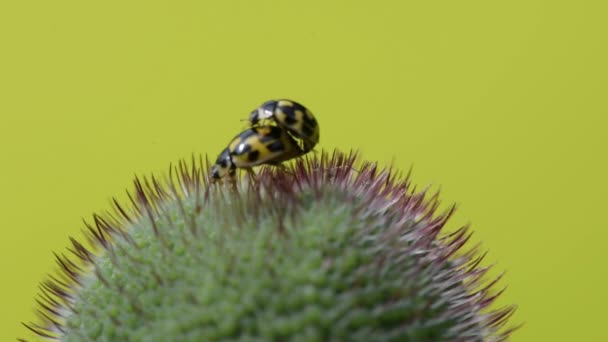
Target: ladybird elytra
(256,146)
(293,117)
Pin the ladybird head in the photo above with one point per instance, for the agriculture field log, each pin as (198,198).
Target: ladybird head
(265,111)
(223,165)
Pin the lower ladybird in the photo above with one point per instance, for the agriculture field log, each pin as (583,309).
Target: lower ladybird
(256,146)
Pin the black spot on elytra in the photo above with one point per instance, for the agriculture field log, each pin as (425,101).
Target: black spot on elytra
(307,130)
(274,134)
(276,146)
(253,155)
(309,119)
(297,106)
(290,114)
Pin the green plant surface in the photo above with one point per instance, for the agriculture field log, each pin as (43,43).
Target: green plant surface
(330,249)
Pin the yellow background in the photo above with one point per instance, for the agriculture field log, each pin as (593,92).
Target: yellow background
(502,103)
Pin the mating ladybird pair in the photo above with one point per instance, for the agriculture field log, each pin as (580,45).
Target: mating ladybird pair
(295,132)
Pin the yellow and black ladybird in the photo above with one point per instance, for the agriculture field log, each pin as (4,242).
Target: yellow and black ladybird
(293,117)
(256,146)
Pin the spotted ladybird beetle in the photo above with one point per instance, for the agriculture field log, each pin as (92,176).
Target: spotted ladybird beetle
(256,146)
(293,117)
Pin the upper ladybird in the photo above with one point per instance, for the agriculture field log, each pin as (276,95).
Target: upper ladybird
(293,117)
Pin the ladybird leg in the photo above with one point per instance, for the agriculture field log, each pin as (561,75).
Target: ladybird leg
(253,182)
(251,174)
(215,180)
(232,177)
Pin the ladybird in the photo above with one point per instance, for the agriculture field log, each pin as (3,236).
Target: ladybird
(256,146)
(293,117)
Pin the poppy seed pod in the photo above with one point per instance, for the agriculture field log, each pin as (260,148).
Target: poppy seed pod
(327,249)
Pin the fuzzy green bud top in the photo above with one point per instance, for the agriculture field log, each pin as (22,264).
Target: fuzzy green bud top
(320,252)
